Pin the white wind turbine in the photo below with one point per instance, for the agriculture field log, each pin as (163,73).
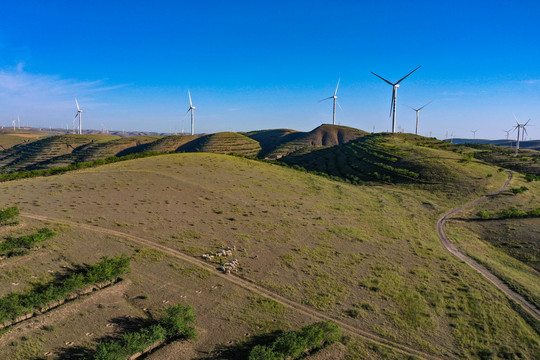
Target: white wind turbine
(79,114)
(507,133)
(19,121)
(191,108)
(334,97)
(418,113)
(520,126)
(13,123)
(394,95)
(474,133)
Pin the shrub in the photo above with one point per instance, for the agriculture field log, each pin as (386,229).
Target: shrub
(292,344)
(8,214)
(25,241)
(483,214)
(519,190)
(14,305)
(177,320)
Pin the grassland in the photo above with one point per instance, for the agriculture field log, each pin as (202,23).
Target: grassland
(508,247)
(368,255)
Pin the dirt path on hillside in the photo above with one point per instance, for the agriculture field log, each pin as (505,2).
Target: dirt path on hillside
(527,306)
(247,284)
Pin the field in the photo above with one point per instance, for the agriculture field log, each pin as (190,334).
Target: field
(368,256)
(509,247)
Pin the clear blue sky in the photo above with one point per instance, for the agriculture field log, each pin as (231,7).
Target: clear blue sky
(260,65)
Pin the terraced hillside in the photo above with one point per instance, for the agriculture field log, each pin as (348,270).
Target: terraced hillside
(270,139)
(322,136)
(169,143)
(100,150)
(366,256)
(27,155)
(223,143)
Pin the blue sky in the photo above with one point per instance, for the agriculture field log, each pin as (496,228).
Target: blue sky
(259,65)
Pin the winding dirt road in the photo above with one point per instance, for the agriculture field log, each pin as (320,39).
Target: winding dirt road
(249,285)
(527,306)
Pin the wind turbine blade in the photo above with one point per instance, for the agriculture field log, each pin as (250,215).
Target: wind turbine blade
(380,77)
(403,78)
(527,122)
(77,114)
(426,105)
(337,102)
(335,92)
(331,97)
(517,122)
(189,94)
(525,131)
(76,102)
(412,108)
(187,112)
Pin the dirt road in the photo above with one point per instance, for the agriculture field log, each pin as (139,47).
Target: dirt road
(246,284)
(527,306)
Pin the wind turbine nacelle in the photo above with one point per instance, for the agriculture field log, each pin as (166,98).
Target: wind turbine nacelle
(396,86)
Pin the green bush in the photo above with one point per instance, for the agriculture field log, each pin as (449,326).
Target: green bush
(483,214)
(14,305)
(292,344)
(532,177)
(26,241)
(519,190)
(177,321)
(8,214)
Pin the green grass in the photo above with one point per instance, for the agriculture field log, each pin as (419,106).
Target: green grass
(304,230)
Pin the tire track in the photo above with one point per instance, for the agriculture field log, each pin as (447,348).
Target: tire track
(248,285)
(520,300)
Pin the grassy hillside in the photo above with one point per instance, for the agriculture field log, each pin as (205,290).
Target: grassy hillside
(368,255)
(9,140)
(509,247)
(324,135)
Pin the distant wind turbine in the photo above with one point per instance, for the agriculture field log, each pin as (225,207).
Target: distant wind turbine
(79,114)
(191,108)
(520,126)
(13,123)
(507,133)
(394,95)
(19,121)
(334,97)
(417,114)
(474,133)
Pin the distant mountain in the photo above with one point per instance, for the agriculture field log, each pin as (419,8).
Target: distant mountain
(528,144)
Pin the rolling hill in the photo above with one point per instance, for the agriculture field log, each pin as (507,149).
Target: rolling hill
(368,256)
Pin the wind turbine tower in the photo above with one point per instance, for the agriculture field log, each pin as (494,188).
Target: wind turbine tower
(394,95)
(191,108)
(79,114)
(418,113)
(334,97)
(507,133)
(520,126)
(474,133)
